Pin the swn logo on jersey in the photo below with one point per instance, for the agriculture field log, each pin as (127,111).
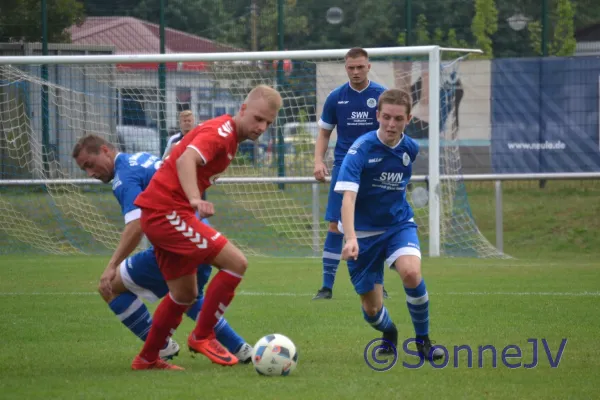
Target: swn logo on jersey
(359,114)
(187,231)
(394,177)
(225,129)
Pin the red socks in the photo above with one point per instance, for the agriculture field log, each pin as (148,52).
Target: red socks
(166,319)
(219,294)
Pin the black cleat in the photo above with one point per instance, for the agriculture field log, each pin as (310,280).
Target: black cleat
(323,293)
(385,294)
(390,342)
(424,347)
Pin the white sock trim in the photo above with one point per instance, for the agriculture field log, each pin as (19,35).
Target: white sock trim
(232,273)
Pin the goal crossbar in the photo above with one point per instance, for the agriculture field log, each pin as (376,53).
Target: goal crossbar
(239,56)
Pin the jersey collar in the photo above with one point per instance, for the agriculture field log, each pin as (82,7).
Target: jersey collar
(397,144)
(359,91)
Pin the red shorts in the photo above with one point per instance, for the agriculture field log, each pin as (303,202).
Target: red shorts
(181,242)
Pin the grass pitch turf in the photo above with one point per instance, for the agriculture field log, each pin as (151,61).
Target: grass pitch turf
(60,340)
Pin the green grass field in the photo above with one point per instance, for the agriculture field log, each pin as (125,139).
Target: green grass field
(59,340)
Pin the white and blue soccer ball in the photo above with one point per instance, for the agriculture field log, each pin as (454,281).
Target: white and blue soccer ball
(274,355)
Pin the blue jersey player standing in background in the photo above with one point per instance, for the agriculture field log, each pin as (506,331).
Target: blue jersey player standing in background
(351,107)
(378,225)
(125,280)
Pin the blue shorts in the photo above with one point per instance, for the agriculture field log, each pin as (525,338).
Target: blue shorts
(334,200)
(140,275)
(375,251)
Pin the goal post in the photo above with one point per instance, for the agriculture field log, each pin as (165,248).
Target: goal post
(101,94)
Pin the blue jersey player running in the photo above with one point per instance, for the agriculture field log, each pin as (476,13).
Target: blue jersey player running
(126,280)
(378,224)
(350,107)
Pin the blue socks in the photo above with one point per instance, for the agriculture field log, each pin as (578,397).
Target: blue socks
(381,321)
(332,253)
(133,314)
(417,301)
(227,336)
(224,332)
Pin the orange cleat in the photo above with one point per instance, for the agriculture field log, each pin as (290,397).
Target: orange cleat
(139,364)
(212,349)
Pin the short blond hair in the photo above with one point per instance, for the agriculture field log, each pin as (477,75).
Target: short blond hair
(91,144)
(186,113)
(271,96)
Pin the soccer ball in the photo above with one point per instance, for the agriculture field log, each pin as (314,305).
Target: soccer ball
(274,355)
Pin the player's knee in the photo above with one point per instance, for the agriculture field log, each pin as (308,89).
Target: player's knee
(185,297)
(371,309)
(333,227)
(107,298)
(240,265)
(410,272)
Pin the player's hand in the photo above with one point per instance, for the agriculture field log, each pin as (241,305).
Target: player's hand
(205,208)
(105,285)
(320,171)
(350,250)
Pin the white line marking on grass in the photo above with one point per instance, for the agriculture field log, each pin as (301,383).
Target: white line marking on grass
(573,294)
(291,294)
(7,294)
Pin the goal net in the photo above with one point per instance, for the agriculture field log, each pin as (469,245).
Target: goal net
(267,201)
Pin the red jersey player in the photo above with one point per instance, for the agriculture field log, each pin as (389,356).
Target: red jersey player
(182,242)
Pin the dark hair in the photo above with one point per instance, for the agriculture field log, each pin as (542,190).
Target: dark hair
(90,143)
(356,52)
(397,97)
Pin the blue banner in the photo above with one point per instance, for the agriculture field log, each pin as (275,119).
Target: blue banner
(545,115)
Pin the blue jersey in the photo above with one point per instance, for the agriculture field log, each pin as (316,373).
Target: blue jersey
(352,112)
(132,175)
(379,174)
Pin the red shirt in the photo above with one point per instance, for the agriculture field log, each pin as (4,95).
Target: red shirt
(216,142)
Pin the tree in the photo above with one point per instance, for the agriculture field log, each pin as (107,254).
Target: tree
(561,31)
(229,21)
(563,40)
(21,20)
(485,24)
(421,33)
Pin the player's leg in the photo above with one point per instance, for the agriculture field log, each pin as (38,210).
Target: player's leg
(404,255)
(232,265)
(332,248)
(183,292)
(225,334)
(128,308)
(138,277)
(179,248)
(366,274)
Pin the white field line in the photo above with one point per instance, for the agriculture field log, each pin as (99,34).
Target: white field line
(292,294)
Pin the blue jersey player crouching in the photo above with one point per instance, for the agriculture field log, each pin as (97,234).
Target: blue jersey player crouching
(351,107)
(378,224)
(124,281)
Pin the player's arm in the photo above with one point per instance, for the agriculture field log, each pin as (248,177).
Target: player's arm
(320,150)
(197,154)
(131,236)
(348,209)
(348,183)
(169,148)
(327,122)
(130,239)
